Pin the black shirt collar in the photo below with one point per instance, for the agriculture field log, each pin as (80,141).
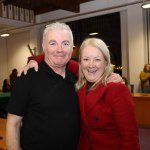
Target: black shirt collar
(69,76)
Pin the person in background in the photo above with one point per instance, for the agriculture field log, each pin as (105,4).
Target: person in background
(43,111)
(13,77)
(130,86)
(145,79)
(107,110)
(6,86)
(125,80)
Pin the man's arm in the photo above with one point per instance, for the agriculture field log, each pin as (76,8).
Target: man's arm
(115,77)
(73,67)
(13,132)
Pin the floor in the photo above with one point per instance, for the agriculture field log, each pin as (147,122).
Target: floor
(144,136)
(2,134)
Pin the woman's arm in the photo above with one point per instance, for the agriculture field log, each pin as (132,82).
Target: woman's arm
(33,61)
(73,66)
(38,58)
(144,76)
(124,115)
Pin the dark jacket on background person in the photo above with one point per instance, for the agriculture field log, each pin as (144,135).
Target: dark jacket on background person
(13,77)
(6,86)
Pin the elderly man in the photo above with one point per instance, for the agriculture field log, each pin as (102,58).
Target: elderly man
(43,112)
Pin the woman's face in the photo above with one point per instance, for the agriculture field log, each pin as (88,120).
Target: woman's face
(148,68)
(93,63)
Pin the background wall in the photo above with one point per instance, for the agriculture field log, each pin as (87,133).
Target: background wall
(14,51)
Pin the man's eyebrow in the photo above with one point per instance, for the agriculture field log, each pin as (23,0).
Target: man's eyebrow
(66,41)
(52,41)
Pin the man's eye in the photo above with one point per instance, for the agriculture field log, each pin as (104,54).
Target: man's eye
(52,43)
(66,43)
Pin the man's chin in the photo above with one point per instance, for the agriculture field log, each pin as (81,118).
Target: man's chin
(60,65)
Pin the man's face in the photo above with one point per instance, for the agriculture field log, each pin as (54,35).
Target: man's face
(57,48)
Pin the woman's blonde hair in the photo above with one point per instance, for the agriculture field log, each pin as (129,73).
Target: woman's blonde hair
(99,44)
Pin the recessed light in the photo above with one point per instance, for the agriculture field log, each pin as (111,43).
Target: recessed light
(146,4)
(94,33)
(5,35)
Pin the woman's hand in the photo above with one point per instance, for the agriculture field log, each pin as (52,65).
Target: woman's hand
(114,77)
(31,64)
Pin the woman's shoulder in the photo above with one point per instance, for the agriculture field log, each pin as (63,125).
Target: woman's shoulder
(117,87)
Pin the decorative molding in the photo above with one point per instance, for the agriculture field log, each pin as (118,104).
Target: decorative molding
(3,10)
(16,13)
(10,10)
(26,15)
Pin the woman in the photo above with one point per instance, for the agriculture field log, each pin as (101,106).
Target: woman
(145,79)
(107,110)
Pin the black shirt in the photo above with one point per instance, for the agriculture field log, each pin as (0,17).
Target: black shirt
(49,106)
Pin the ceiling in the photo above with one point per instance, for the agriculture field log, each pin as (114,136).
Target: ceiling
(43,6)
(40,7)
(109,32)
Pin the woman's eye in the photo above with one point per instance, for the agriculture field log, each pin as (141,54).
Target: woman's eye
(98,59)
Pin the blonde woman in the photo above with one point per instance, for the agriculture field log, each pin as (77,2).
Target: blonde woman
(107,110)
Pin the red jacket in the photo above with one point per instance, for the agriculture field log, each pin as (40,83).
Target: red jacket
(107,119)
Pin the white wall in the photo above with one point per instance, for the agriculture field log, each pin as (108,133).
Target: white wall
(3,61)
(17,50)
(13,53)
(132,34)
(133,48)
(136,48)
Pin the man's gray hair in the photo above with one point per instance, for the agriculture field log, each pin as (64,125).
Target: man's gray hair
(58,25)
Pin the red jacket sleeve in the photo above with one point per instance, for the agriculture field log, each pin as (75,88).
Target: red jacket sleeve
(38,58)
(124,115)
(73,66)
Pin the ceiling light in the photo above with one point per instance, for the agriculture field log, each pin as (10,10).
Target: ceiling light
(5,35)
(146,4)
(94,33)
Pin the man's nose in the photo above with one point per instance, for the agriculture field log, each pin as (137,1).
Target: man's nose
(59,47)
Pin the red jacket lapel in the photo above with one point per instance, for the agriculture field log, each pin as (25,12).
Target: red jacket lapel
(87,101)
